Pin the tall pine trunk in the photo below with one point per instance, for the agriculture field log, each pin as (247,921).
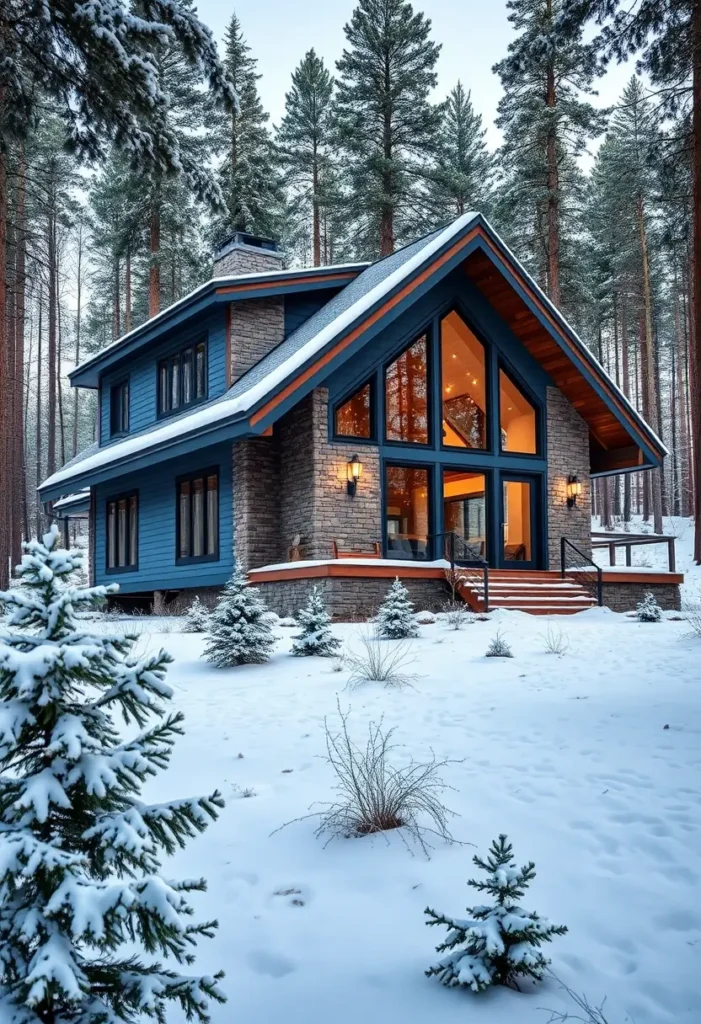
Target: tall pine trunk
(695,361)
(78,318)
(39,426)
(20,482)
(5,496)
(316,225)
(387,208)
(127,291)
(649,374)
(154,278)
(51,353)
(681,411)
(553,185)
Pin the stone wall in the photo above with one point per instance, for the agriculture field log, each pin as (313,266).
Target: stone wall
(256,474)
(624,597)
(350,599)
(568,452)
(314,475)
(238,258)
(256,327)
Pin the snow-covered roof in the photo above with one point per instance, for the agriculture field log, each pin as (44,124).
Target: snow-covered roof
(71,501)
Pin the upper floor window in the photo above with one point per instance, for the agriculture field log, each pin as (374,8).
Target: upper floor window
(182,379)
(463,385)
(354,417)
(119,408)
(122,533)
(517,418)
(406,395)
(198,517)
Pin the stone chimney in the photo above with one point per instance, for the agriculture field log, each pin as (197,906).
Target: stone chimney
(246,254)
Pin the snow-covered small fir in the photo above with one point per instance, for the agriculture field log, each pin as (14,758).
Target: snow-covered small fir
(395,619)
(648,609)
(85,916)
(316,636)
(197,618)
(497,944)
(240,629)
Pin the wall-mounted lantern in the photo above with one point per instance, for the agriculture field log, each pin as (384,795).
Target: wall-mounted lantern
(574,489)
(355,468)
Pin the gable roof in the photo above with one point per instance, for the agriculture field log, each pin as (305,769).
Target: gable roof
(296,365)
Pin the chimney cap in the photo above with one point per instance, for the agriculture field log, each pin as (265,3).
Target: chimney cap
(251,241)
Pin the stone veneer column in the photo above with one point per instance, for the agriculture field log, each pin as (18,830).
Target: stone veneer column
(256,474)
(313,477)
(256,326)
(568,452)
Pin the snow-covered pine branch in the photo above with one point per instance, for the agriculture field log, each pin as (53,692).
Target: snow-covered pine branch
(80,852)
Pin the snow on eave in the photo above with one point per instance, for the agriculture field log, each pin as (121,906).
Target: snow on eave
(212,283)
(72,499)
(224,409)
(586,351)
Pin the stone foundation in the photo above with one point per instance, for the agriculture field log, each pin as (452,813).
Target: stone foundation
(350,599)
(624,597)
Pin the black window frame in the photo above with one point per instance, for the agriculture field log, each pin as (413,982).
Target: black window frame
(200,474)
(389,462)
(115,499)
(503,366)
(178,357)
(117,426)
(489,349)
(370,382)
(426,332)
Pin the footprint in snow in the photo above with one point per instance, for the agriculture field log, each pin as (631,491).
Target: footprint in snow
(273,964)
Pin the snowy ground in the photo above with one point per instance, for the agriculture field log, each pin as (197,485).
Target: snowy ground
(568,755)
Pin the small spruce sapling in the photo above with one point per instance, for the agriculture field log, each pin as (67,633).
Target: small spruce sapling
(84,910)
(239,630)
(395,618)
(498,647)
(197,618)
(316,636)
(648,609)
(497,944)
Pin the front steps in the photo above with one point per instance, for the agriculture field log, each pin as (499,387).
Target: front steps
(536,592)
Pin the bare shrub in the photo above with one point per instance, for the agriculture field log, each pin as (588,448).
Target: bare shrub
(375,796)
(244,792)
(338,662)
(554,640)
(692,614)
(425,618)
(498,647)
(456,615)
(586,1012)
(380,661)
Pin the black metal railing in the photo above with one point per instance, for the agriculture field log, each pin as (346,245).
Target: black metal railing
(613,541)
(466,564)
(572,560)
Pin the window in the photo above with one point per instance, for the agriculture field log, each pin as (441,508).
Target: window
(517,418)
(354,417)
(406,395)
(198,517)
(122,533)
(463,385)
(406,511)
(516,497)
(464,510)
(119,408)
(182,379)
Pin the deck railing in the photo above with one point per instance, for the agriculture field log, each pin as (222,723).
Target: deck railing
(575,561)
(464,562)
(606,539)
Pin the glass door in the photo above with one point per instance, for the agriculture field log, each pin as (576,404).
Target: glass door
(519,533)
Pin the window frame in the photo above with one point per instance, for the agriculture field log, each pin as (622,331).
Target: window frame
(370,381)
(178,356)
(490,352)
(115,406)
(390,462)
(537,405)
(427,332)
(115,498)
(199,474)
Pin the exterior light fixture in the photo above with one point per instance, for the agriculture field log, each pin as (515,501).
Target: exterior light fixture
(355,468)
(574,489)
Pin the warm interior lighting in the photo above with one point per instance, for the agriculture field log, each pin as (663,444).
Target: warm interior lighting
(574,489)
(355,469)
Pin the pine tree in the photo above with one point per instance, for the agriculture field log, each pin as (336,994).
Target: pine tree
(462,179)
(498,944)
(304,141)
(316,636)
(395,619)
(648,609)
(80,890)
(386,123)
(547,124)
(197,618)
(248,175)
(239,630)
(498,648)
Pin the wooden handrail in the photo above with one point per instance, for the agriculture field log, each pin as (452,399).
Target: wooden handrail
(629,540)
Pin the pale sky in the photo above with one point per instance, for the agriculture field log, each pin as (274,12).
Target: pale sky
(474,34)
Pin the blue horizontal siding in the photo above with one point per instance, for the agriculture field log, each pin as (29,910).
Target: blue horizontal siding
(157,518)
(143,373)
(298,308)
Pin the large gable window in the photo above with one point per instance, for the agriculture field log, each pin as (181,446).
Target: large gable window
(198,517)
(122,533)
(463,385)
(517,418)
(406,395)
(182,379)
(353,417)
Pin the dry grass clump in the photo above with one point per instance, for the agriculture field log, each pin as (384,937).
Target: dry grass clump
(456,615)
(380,661)
(555,641)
